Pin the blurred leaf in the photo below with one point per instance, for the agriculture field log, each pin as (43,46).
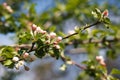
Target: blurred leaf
(115,71)
(25,37)
(32,9)
(7,62)
(56,52)
(52,28)
(107,21)
(8,52)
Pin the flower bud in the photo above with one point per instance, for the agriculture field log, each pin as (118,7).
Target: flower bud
(99,58)
(26,68)
(21,63)
(105,13)
(103,63)
(26,55)
(15,59)
(57,46)
(59,39)
(55,43)
(39,30)
(52,35)
(34,27)
(9,9)
(43,32)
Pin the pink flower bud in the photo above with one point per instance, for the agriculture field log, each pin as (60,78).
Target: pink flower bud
(57,46)
(59,39)
(52,35)
(105,13)
(99,58)
(43,32)
(25,55)
(102,63)
(55,43)
(34,27)
(39,30)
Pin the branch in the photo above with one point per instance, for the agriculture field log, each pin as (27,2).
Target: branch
(73,62)
(100,41)
(31,49)
(88,26)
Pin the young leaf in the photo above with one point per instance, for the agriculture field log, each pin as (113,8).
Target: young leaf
(115,71)
(7,62)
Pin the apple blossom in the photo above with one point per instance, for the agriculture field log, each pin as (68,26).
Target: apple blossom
(15,59)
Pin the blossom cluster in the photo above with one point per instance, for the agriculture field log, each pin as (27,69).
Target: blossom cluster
(21,62)
(51,38)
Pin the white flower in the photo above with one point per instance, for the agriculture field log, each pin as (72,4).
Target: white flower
(15,59)
(21,63)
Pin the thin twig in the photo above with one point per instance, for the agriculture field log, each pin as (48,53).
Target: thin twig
(31,49)
(88,26)
(73,62)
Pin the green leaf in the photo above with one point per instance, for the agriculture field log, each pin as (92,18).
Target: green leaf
(24,37)
(8,52)
(52,28)
(107,21)
(94,14)
(111,53)
(56,52)
(61,34)
(7,62)
(40,42)
(40,52)
(32,9)
(97,13)
(115,71)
